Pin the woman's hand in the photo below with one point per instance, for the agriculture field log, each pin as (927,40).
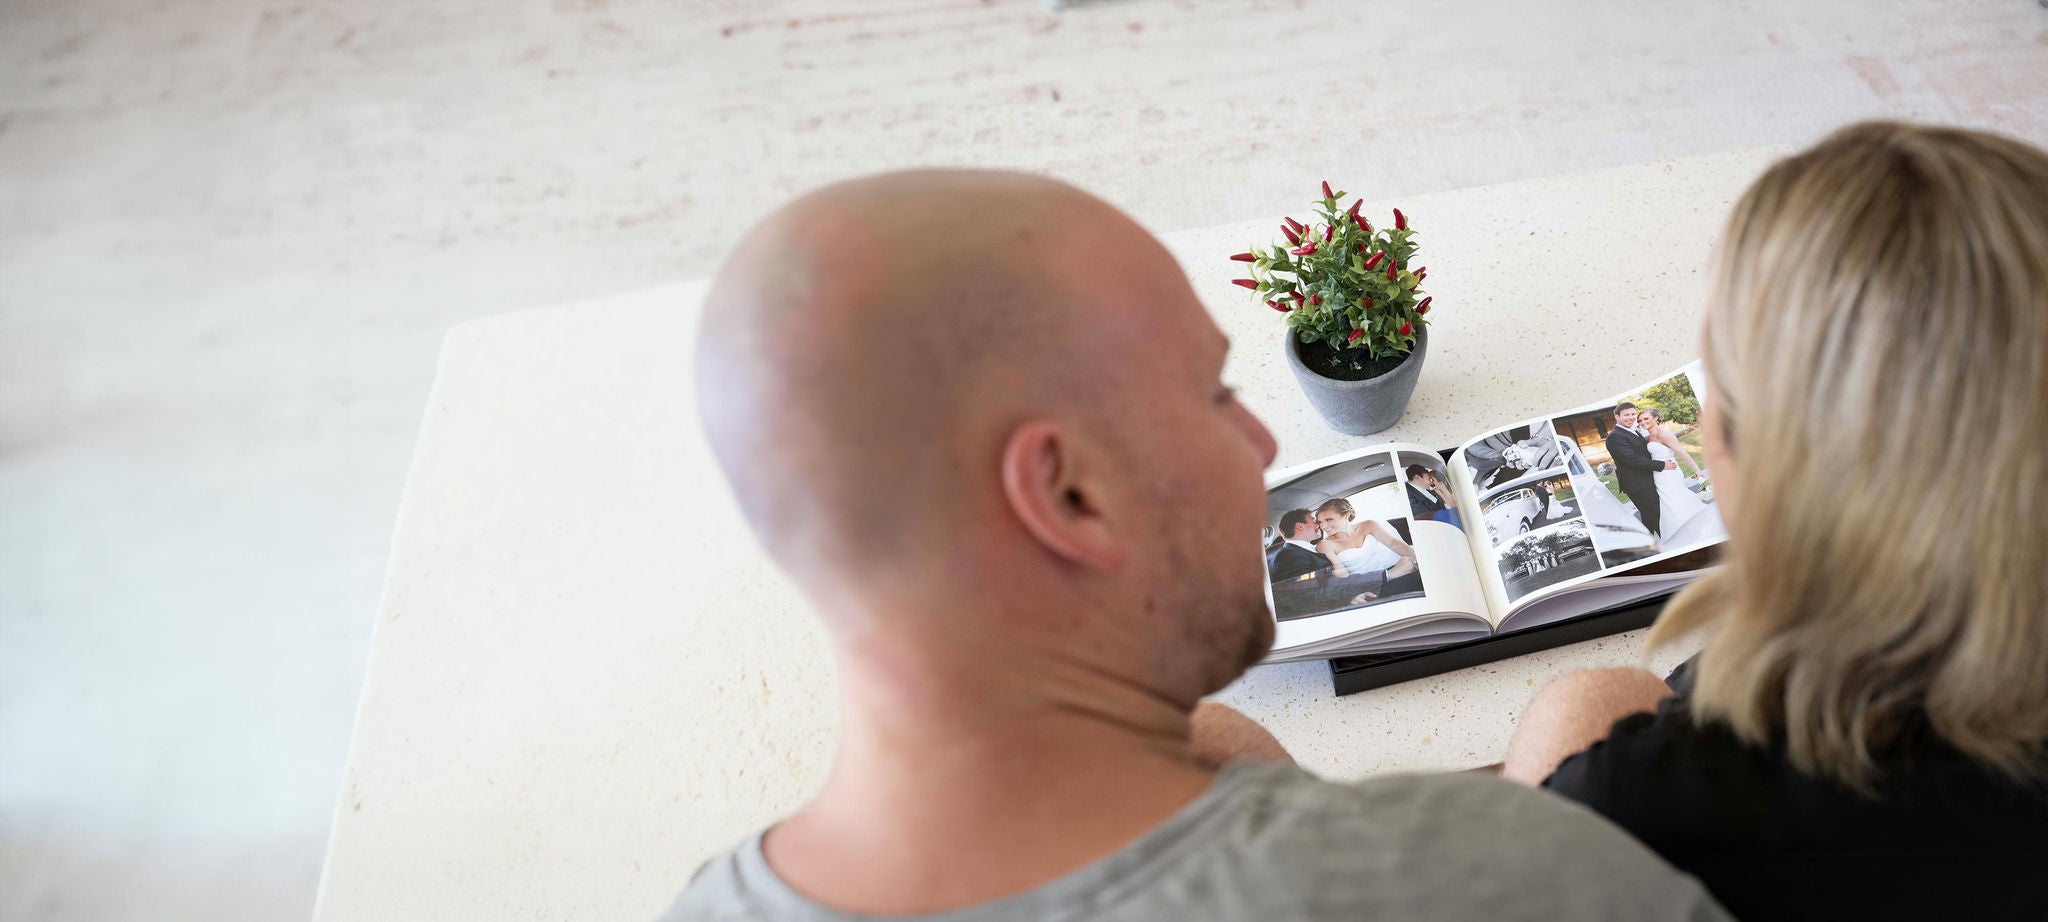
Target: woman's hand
(1336,566)
(1405,567)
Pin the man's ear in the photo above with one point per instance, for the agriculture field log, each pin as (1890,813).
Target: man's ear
(1057,499)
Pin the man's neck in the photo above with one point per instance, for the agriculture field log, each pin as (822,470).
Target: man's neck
(960,781)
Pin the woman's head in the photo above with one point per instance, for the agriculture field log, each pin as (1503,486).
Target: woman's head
(1334,513)
(1648,416)
(1876,349)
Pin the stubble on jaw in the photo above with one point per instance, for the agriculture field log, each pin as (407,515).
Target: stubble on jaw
(1223,624)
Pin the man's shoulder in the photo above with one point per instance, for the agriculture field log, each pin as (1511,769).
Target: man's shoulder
(1456,845)
(1394,806)
(717,891)
(1274,842)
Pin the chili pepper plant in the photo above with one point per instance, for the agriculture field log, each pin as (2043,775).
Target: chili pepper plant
(1349,291)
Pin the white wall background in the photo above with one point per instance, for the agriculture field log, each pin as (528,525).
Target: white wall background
(232,232)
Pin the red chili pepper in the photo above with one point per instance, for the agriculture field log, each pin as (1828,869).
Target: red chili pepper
(1423,308)
(1407,328)
(1297,225)
(1292,237)
(1361,248)
(1400,220)
(1245,283)
(1326,189)
(1374,262)
(1365,303)
(1362,223)
(1327,231)
(1244,257)
(1393,270)
(1295,295)
(1315,300)
(1422,273)
(1355,334)
(1282,308)
(1354,208)
(1303,250)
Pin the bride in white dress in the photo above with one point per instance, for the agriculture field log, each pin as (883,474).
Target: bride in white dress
(1676,503)
(1371,557)
(1360,547)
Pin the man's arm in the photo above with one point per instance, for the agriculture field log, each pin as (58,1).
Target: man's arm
(1420,503)
(1220,734)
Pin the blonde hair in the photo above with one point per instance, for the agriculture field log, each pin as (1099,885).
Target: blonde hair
(1341,505)
(1877,339)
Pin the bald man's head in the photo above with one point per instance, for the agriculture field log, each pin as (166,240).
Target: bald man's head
(853,333)
(890,367)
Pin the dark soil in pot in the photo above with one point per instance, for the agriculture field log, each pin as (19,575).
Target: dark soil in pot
(1345,364)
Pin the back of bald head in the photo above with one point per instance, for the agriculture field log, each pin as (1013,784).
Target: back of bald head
(865,349)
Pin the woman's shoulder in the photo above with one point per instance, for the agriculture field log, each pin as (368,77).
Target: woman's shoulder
(1652,764)
(1655,734)
(1688,786)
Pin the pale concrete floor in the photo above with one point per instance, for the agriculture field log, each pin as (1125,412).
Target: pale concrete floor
(232,232)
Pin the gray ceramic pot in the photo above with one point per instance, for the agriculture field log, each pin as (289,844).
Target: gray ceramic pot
(1358,407)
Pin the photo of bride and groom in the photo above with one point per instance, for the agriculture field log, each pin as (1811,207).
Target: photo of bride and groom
(1638,464)
(1646,460)
(1328,560)
(1336,540)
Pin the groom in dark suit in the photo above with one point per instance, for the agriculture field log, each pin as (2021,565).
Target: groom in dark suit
(1633,466)
(1423,500)
(1298,556)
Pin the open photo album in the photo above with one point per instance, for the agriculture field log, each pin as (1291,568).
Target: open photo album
(1389,549)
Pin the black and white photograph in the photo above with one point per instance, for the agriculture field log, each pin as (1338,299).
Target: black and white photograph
(1511,454)
(1527,504)
(1428,488)
(1337,538)
(1548,557)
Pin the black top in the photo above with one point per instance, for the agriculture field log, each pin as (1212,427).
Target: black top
(1942,838)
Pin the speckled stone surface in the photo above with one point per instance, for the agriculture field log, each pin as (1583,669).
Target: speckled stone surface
(585,678)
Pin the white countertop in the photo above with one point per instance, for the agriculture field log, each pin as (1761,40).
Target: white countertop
(586,678)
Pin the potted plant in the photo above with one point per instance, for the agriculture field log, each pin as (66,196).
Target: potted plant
(1356,336)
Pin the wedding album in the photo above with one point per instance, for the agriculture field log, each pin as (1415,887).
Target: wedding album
(1391,549)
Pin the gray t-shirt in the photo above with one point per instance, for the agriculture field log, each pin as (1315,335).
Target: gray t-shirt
(1270,842)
